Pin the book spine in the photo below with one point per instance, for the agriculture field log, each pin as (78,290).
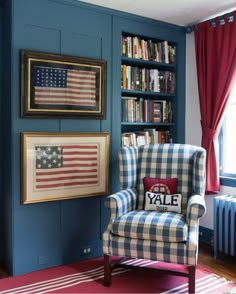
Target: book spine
(156,111)
(123,46)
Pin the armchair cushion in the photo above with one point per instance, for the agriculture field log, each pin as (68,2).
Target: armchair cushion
(146,225)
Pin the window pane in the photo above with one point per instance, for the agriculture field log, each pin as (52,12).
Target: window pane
(229,142)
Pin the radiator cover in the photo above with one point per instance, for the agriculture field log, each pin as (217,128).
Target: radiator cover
(225,225)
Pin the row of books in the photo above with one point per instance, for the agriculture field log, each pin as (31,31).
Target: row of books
(159,51)
(145,79)
(135,109)
(147,136)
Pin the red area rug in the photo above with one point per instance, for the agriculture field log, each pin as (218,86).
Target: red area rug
(87,277)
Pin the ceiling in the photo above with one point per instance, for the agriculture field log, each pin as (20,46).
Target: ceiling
(179,12)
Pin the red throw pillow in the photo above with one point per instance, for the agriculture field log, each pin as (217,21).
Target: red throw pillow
(163,186)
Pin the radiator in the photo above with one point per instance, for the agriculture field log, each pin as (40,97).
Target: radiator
(225,225)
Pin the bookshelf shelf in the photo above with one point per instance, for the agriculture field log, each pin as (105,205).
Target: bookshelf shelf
(147,63)
(133,124)
(126,92)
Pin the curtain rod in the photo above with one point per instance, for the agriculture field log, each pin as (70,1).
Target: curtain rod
(214,21)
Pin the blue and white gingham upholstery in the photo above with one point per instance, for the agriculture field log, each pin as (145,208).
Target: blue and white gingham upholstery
(150,225)
(163,236)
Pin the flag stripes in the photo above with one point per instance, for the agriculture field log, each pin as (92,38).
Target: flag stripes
(66,165)
(64,86)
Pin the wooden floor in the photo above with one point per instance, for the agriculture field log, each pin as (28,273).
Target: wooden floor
(223,266)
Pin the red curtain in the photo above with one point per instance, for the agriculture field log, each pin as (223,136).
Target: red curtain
(215,46)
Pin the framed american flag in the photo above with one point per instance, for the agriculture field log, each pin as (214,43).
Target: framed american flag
(54,85)
(57,166)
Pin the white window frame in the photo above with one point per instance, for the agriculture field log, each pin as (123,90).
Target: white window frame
(227,144)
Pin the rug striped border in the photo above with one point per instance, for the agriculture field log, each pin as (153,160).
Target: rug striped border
(207,284)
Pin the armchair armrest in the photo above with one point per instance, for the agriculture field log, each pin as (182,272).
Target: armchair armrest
(121,202)
(196,208)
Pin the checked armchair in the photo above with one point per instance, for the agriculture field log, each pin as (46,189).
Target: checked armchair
(159,234)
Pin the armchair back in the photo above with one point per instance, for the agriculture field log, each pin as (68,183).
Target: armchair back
(181,161)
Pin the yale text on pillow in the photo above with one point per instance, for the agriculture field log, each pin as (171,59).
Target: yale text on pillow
(163,202)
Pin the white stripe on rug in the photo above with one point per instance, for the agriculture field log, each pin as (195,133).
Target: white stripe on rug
(219,282)
(139,262)
(62,282)
(203,285)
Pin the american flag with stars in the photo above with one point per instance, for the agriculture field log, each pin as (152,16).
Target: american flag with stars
(73,165)
(59,86)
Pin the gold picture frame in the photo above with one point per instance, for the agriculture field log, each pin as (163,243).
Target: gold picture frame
(57,166)
(54,85)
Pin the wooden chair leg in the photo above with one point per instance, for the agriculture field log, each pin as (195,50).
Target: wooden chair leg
(107,270)
(191,279)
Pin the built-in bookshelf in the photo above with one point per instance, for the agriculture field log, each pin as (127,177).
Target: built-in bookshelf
(148,90)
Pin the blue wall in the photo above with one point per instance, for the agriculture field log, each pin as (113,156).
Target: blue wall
(41,235)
